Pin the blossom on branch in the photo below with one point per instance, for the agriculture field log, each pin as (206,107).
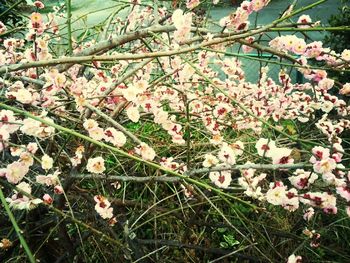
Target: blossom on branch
(96,165)
(221,179)
(103,207)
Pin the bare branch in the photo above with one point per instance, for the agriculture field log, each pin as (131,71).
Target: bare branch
(138,179)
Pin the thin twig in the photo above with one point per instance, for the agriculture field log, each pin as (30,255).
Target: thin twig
(29,253)
(69,26)
(272,167)
(142,179)
(179,245)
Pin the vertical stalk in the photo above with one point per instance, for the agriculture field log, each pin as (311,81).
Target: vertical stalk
(69,26)
(36,55)
(188,131)
(16,227)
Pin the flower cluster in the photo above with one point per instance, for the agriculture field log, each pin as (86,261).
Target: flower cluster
(8,125)
(268,148)
(182,23)
(36,128)
(238,20)
(185,98)
(278,194)
(147,153)
(250,182)
(110,134)
(22,202)
(16,171)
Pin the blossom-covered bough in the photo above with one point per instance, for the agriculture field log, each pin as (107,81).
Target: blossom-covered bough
(72,123)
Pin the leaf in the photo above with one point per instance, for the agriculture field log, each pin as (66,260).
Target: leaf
(222,229)
(291,130)
(231,240)
(224,245)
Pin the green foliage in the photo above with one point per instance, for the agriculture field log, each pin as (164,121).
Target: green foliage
(10,12)
(230,241)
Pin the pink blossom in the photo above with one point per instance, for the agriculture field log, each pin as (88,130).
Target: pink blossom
(346,55)
(178,139)
(39,4)
(345,90)
(133,114)
(48,180)
(291,202)
(47,199)
(237,147)
(210,160)
(182,22)
(32,147)
(96,133)
(344,192)
(319,153)
(281,156)
(221,179)
(102,207)
(36,20)
(305,21)
(257,5)
(265,147)
(309,213)
(325,166)
(146,152)
(22,202)
(16,171)
(90,124)
(314,49)
(35,128)
(4,133)
(276,195)
(302,179)
(227,154)
(58,190)
(115,137)
(247,49)
(26,158)
(3,28)
(190,4)
(294,259)
(96,165)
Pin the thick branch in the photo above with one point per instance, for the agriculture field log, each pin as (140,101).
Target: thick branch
(82,59)
(272,167)
(309,29)
(239,167)
(269,50)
